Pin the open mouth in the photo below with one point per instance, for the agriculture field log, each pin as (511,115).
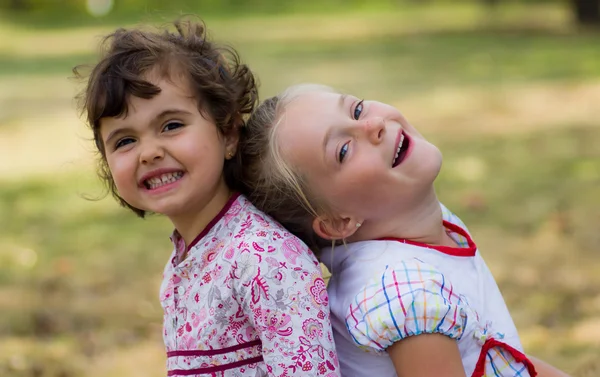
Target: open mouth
(162,180)
(403,145)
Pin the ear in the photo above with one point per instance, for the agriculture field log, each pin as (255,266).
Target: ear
(335,229)
(231,141)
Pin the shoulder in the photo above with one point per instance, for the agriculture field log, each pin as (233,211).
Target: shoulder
(246,222)
(365,258)
(256,220)
(259,234)
(407,278)
(407,299)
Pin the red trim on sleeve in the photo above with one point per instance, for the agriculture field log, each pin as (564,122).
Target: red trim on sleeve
(516,354)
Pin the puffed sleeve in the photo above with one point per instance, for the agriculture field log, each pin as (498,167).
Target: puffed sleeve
(408,299)
(287,303)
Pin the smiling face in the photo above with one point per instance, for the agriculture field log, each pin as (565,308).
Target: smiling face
(362,158)
(165,156)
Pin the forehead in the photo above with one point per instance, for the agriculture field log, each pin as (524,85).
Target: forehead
(304,123)
(172,84)
(310,102)
(173,92)
(308,111)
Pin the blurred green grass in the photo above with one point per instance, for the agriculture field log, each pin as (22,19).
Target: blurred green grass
(84,275)
(511,99)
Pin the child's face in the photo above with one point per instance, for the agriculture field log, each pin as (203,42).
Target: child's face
(165,156)
(348,152)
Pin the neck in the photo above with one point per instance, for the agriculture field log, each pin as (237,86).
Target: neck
(422,222)
(192,223)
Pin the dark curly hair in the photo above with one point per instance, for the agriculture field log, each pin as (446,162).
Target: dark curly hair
(224,87)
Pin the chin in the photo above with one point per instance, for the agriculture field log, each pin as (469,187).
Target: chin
(174,212)
(437,166)
(166,209)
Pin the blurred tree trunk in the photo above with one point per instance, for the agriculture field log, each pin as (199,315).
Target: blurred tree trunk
(491,3)
(17,4)
(587,12)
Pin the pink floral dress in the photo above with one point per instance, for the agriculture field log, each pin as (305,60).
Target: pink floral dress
(248,300)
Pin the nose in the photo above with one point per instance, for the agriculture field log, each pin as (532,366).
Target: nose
(151,151)
(374,129)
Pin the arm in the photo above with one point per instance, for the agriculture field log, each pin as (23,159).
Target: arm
(413,313)
(288,306)
(413,356)
(546,370)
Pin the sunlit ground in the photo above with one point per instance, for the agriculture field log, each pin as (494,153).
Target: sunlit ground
(511,100)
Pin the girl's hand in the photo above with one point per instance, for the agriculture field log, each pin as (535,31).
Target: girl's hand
(428,355)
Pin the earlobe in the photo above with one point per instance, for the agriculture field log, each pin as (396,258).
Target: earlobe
(338,229)
(231,140)
(321,229)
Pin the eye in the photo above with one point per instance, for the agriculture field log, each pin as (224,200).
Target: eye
(343,151)
(358,110)
(123,142)
(172,126)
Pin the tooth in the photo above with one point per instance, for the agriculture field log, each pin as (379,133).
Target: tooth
(155,182)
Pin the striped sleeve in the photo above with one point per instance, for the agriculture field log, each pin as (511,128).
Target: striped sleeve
(408,299)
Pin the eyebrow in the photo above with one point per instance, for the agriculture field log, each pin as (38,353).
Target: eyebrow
(341,105)
(163,114)
(342,100)
(117,132)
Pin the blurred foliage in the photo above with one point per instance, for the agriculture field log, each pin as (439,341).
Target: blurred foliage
(78,11)
(57,13)
(479,58)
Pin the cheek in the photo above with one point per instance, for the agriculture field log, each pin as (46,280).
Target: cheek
(122,169)
(412,131)
(198,148)
(355,187)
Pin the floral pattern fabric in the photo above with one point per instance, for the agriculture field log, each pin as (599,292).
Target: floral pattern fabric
(248,300)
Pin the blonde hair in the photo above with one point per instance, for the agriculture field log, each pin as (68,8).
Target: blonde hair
(274,186)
